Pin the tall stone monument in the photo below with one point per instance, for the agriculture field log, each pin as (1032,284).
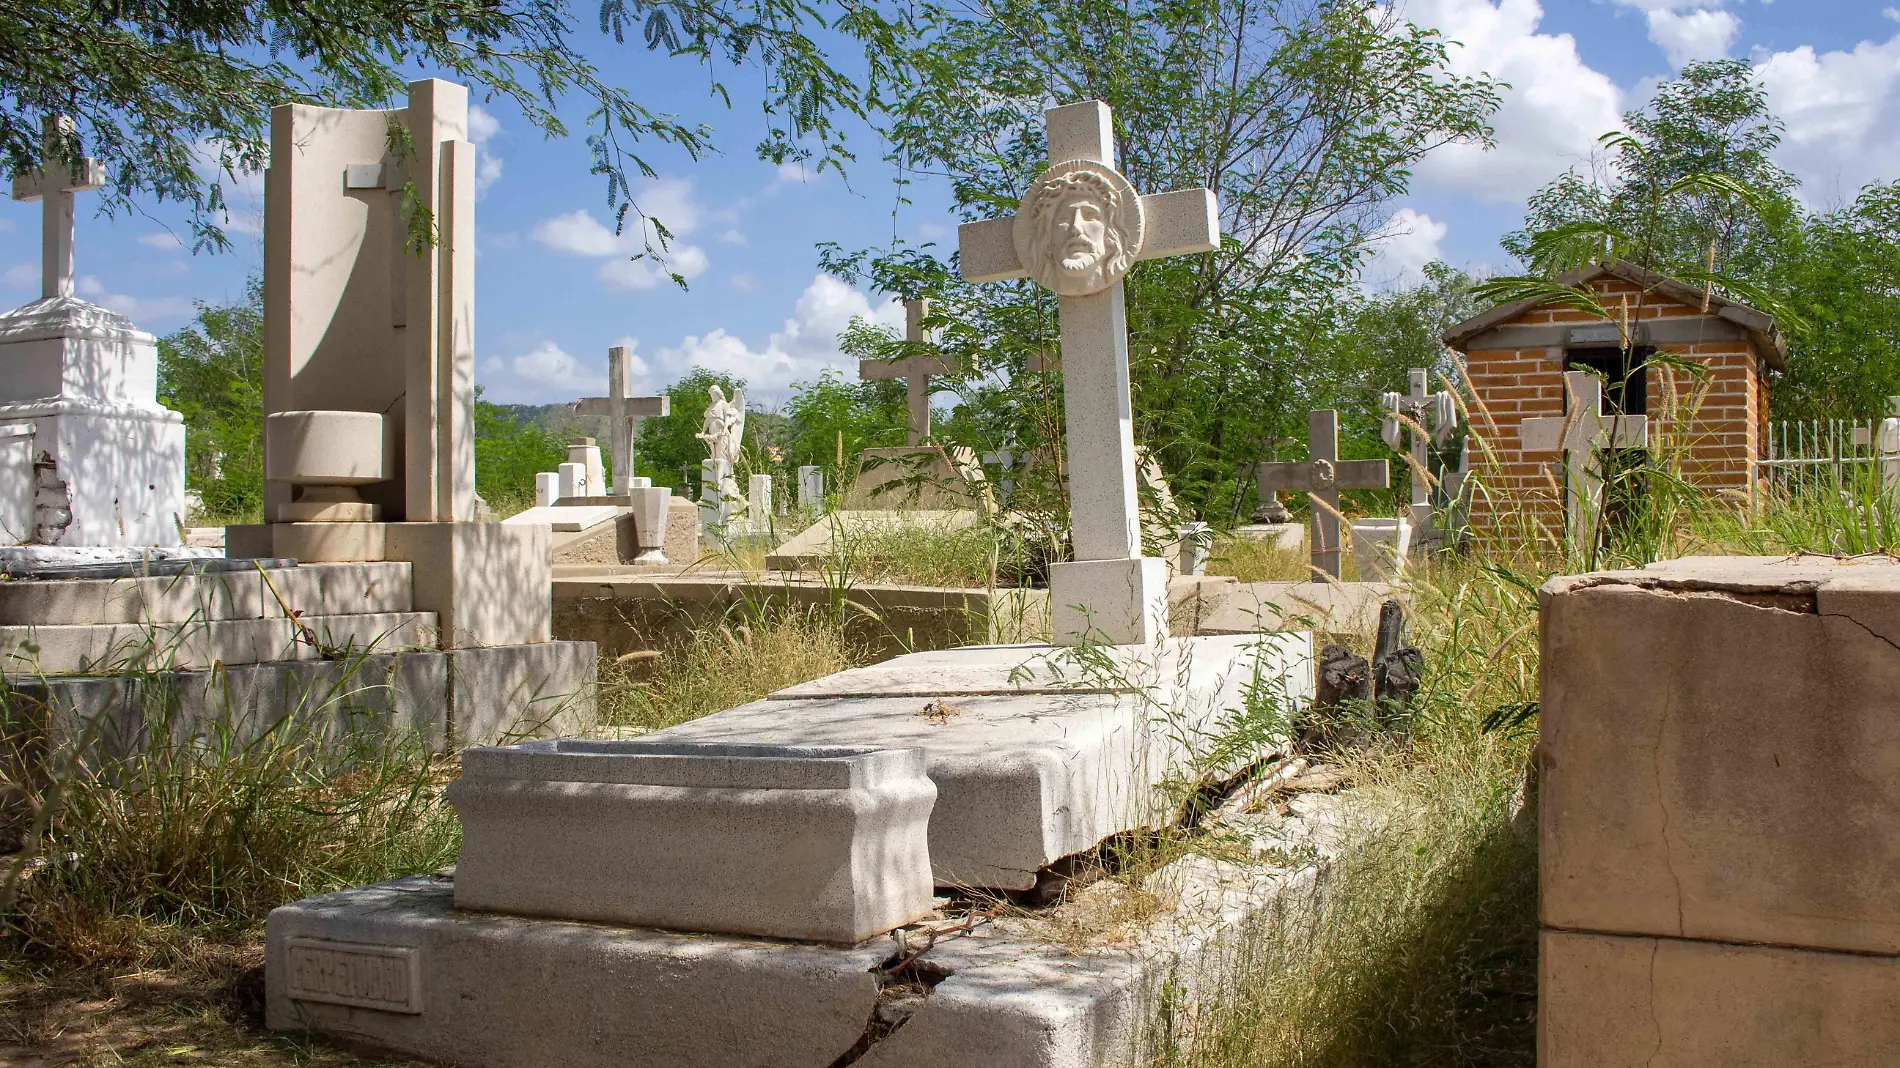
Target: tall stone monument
(369,378)
(1080,228)
(90,458)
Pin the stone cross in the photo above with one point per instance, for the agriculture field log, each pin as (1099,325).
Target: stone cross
(1430,413)
(1580,432)
(1078,229)
(916,370)
(53,185)
(1323,476)
(623,413)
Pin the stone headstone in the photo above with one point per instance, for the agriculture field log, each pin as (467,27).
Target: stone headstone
(1581,434)
(811,488)
(585,452)
(759,502)
(572,480)
(1323,477)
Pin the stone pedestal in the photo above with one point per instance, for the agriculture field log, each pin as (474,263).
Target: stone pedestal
(1719,773)
(107,461)
(824,844)
(1113,602)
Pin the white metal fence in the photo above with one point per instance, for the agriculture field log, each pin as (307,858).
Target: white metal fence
(1807,454)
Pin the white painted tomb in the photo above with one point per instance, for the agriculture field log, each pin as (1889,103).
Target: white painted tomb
(105,462)
(1080,230)
(655,834)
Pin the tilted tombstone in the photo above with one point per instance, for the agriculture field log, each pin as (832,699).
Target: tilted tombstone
(1080,229)
(1323,476)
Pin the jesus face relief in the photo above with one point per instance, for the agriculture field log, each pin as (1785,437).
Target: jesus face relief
(1080,228)
(1081,225)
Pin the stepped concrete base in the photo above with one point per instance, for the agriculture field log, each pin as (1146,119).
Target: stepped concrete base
(197,646)
(449,698)
(1037,751)
(269,593)
(396,967)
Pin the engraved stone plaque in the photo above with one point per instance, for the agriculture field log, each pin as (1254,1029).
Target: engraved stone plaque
(366,976)
(1080,228)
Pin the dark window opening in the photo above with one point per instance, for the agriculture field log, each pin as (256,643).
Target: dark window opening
(1625,377)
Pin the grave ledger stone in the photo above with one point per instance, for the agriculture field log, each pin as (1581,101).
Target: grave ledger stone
(94,460)
(1080,229)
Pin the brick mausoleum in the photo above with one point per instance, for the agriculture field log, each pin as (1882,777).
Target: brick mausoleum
(1515,355)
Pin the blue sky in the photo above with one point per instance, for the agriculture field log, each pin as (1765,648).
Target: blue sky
(555,288)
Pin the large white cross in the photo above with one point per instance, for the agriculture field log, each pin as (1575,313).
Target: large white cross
(623,413)
(54,185)
(1429,413)
(1079,227)
(1580,433)
(915,370)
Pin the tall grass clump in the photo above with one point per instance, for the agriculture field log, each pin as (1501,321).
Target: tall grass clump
(723,665)
(136,848)
(1417,943)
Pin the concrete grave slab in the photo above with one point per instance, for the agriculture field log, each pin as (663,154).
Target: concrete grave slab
(396,967)
(115,647)
(212,595)
(1617,1002)
(1038,752)
(564,518)
(1328,607)
(823,844)
(812,549)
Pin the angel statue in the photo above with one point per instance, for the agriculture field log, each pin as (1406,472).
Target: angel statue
(723,430)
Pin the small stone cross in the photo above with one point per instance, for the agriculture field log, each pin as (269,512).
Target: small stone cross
(623,413)
(1579,433)
(1323,476)
(1078,229)
(53,185)
(1430,413)
(916,370)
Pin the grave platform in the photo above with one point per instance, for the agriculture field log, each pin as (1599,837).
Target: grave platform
(1038,751)
(396,967)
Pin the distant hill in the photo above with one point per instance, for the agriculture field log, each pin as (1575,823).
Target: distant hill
(559,418)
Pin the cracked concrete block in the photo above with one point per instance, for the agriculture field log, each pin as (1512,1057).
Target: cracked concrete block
(1608,1001)
(1720,758)
(1037,751)
(822,844)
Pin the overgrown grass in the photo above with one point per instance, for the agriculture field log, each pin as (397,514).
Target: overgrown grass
(1258,561)
(723,666)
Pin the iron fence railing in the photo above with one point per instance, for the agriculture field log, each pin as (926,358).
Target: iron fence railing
(1806,454)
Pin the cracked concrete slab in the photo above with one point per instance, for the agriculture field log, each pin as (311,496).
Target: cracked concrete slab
(395,967)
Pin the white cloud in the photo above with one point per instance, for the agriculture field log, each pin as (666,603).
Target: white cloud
(732,236)
(482,128)
(1406,243)
(1552,114)
(578,232)
(1686,36)
(141,310)
(162,239)
(804,346)
(795,171)
(21,276)
(549,368)
(1842,110)
(929,230)
(688,261)
(5,225)
(744,282)
(671,202)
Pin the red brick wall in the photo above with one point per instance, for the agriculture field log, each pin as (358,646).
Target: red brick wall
(1708,427)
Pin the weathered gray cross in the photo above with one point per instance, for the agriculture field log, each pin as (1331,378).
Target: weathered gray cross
(916,370)
(623,413)
(53,185)
(1078,229)
(1582,431)
(1433,414)
(1323,476)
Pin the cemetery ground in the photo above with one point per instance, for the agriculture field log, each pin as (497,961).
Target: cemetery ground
(136,936)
